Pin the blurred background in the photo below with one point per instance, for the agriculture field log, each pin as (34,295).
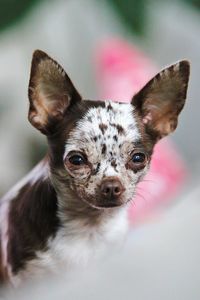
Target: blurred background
(88,38)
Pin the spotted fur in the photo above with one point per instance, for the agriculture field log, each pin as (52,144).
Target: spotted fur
(106,153)
(60,216)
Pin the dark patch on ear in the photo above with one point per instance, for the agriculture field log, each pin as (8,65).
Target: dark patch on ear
(162,99)
(51,92)
(103,127)
(103,151)
(32,220)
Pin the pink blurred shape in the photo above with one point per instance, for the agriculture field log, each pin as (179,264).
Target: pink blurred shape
(121,71)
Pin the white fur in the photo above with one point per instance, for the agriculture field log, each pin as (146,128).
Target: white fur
(76,245)
(121,114)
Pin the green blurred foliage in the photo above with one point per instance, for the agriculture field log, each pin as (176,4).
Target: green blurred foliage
(196,3)
(133,13)
(13,10)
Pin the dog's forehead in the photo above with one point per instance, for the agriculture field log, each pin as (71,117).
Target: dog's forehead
(105,126)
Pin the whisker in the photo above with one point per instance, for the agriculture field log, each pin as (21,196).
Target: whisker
(144,191)
(148,180)
(141,196)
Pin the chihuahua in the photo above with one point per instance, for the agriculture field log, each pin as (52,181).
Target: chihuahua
(72,205)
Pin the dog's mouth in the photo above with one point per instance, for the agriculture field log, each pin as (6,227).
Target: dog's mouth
(109,204)
(97,202)
(103,204)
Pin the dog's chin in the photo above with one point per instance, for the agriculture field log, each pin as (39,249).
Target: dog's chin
(109,204)
(103,204)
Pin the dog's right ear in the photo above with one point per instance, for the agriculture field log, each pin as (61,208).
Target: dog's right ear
(51,92)
(161,100)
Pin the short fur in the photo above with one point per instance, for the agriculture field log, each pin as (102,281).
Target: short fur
(72,206)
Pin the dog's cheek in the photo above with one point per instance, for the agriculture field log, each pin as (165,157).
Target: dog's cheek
(130,180)
(76,178)
(78,173)
(92,185)
(82,174)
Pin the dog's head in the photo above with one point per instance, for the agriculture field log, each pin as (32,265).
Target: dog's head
(99,150)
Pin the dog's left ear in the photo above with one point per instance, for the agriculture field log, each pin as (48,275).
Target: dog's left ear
(162,99)
(51,92)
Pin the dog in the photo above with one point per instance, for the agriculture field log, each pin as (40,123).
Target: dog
(72,206)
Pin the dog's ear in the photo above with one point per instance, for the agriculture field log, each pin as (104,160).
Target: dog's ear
(161,100)
(51,92)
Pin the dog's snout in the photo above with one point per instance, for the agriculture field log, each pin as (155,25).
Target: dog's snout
(111,188)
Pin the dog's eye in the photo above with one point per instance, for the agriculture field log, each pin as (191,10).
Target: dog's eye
(77,159)
(138,158)
(137,161)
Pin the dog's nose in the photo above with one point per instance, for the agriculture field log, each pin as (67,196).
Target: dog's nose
(111,188)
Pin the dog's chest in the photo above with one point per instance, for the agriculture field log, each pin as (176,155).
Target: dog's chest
(75,249)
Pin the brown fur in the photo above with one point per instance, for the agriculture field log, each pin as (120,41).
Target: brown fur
(32,220)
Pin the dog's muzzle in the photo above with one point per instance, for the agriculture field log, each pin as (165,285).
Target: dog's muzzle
(111,191)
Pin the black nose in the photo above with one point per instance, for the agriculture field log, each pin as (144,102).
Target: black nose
(111,188)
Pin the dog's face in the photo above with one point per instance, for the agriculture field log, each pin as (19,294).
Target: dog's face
(105,154)
(101,149)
